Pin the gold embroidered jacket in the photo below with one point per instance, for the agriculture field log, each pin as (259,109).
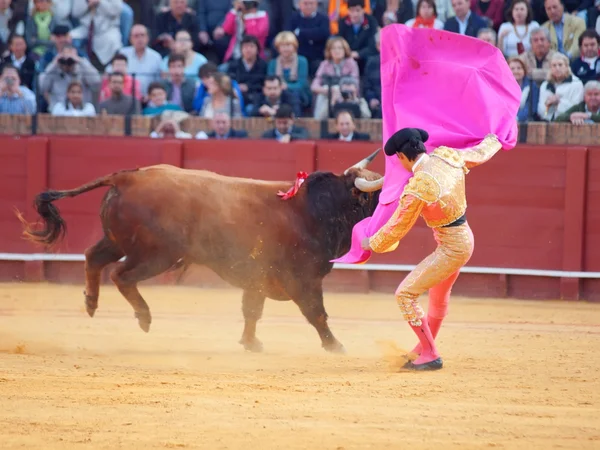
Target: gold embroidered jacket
(436,191)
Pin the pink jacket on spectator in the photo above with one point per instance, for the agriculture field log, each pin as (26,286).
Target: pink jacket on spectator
(495,12)
(349,68)
(256,24)
(105,92)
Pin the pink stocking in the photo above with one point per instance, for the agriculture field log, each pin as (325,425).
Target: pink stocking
(428,350)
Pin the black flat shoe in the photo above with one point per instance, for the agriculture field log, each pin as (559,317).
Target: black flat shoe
(436,364)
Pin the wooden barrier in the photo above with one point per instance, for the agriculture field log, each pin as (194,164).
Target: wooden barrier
(535,207)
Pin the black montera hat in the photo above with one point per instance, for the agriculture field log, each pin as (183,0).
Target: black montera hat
(402,137)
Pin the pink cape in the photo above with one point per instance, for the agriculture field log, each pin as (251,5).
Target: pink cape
(457,88)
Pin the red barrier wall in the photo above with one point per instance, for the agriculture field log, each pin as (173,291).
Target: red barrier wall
(533,207)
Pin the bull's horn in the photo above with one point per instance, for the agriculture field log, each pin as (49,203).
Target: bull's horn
(368,186)
(364,163)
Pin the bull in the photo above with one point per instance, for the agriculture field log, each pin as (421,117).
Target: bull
(162,217)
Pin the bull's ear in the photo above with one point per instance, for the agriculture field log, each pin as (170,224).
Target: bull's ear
(362,197)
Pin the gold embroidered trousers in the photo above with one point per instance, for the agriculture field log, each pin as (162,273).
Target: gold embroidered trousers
(455,247)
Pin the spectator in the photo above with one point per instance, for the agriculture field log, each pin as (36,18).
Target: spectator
(169,22)
(464,22)
(426,16)
(514,36)
(14,98)
(19,58)
(338,63)
(338,10)
(537,60)
(60,38)
(273,97)
(73,105)
(221,128)
(157,104)
(193,60)
(118,103)
(61,10)
(99,28)
(12,21)
(142,61)
(67,66)
(565,29)
(560,91)
(125,22)
(587,111)
(285,130)
(358,29)
(222,97)
(587,66)
(204,74)
(120,64)
(492,11)
(488,35)
(180,89)
(312,31)
(38,27)
(169,129)
(530,91)
(372,81)
(249,71)
(346,128)
(291,67)
(348,98)
(210,15)
(245,19)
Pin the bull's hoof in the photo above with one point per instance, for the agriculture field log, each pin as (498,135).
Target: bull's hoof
(335,347)
(91,311)
(252,345)
(144,321)
(91,304)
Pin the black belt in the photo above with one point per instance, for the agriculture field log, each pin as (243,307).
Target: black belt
(462,219)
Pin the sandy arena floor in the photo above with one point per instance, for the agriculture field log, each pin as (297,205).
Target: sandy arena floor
(517,375)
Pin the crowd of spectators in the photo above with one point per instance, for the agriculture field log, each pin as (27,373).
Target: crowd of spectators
(275,59)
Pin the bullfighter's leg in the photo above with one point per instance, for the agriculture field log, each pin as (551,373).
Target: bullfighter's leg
(311,305)
(97,257)
(253,304)
(128,274)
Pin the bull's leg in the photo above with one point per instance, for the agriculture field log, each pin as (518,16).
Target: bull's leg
(252,306)
(97,258)
(311,305)
(128,274)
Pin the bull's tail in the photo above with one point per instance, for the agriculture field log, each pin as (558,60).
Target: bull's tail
(55,228)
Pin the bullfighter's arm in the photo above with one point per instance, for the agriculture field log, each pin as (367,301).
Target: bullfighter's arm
(482,152)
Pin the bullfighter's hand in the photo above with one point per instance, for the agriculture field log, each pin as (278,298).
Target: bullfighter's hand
(365,244)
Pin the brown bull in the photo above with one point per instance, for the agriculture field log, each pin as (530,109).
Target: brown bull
(161,217)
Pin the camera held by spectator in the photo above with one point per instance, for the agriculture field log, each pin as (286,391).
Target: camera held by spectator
(347,97)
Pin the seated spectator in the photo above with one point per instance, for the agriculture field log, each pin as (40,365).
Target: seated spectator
(118,103)
(312,31)
(338,10)
(464,22)
(20,58)
(180,90)
(221,128)
(348,98)
(193,60)
(587,66)
(530,91)
(245,19)
(61,10)
(249,71)
(67,66)
(514,36)
(12,21)
(273,97)
(142,61)
(372,81)
(346,128)
(119,64)
(105,40)
(60,39)
(222,97)
(210,16)
(14,98)
(492,11)
(560,91)
(487,35)
(285,130)
(38,27)
(570,25)
(169,129)
(291,68)
(587,111)
(169,22)
(426,16)
(157,104)
(358,29)
(537,60)
(205,72)
(338,63)
(73,106)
